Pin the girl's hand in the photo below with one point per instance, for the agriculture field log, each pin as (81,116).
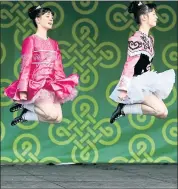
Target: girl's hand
(122,95)
(23,95)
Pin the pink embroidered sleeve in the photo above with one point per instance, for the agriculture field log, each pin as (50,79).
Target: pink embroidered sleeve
(58,67)
(26,58)
(133,56)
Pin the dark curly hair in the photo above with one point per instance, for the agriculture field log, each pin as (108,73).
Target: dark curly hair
(37,11)
(138,8)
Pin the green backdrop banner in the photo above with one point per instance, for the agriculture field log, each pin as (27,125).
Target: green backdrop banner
(93,39)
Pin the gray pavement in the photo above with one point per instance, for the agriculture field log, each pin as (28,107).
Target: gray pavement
(89,176)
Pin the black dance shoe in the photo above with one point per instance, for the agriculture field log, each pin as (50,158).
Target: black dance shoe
(117,113)
(20,118)
(16,107)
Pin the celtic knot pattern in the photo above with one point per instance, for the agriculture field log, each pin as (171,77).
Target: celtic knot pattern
(85,7)
(85,132)
(93,40)
(17,15)
(118,18)
(86,55)
(142,148)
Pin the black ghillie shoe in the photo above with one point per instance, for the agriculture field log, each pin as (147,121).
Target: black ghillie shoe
(117,113)
(16,107)
(20,118)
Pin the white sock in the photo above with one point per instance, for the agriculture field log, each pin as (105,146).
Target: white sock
(30,116)
(132,109)
(29,107)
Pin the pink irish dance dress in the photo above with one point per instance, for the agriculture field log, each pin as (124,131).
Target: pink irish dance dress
(137,78)
(42,75)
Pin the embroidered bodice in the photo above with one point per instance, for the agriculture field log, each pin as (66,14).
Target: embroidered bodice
(139,58)
(41,61)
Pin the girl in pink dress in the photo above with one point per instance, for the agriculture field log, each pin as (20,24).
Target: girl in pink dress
(42,85)
(140,90)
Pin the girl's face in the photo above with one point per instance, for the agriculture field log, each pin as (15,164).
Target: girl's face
(152,19)
(45,21)
(149,19)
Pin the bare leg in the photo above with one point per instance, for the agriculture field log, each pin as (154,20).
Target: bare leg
(151,106)
(147,110)
(48,112)
(157,104)
(59,111)
(44,109)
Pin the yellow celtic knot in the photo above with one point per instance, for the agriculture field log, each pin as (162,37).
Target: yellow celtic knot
(162,159)
(85,132)
(86,54)
(45,160)
(141,122)
(142,149)
(169,55)
(86,135)
(170,131)
(26,148)
(85,7)
(118,18)
(18,15)
(142,146)
(171,98)
(4,100)
(166,18)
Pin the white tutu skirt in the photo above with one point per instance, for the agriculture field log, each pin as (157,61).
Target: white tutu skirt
(159,84)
